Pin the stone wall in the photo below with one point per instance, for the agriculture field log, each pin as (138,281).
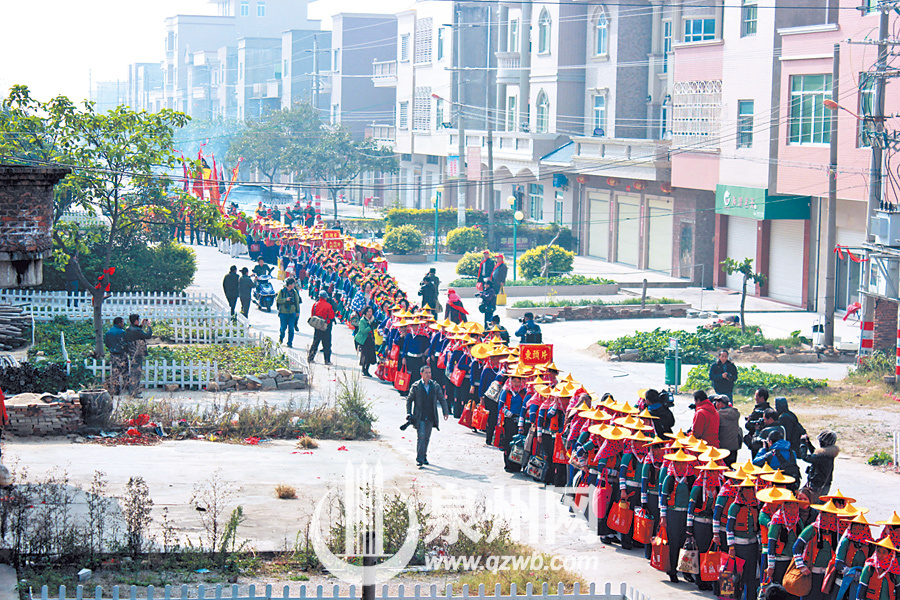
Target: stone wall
(43,419)
(885,334)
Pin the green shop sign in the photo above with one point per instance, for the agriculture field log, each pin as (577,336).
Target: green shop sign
(757,203)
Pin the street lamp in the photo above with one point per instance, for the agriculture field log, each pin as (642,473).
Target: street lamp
(517,216)
(436,200)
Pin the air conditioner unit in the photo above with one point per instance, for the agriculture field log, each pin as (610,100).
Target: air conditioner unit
(885,226)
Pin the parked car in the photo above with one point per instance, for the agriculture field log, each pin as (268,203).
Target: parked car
(248,195)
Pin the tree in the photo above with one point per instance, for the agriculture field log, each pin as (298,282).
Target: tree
(745,268)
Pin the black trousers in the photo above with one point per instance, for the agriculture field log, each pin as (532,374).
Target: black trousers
(750,554)
(232,303)
(510,428)
(676,526)
(245,305)
(323,337)
(491,406)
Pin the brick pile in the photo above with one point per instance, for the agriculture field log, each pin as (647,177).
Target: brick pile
(43,419)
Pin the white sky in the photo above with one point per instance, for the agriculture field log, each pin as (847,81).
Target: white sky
(58,46)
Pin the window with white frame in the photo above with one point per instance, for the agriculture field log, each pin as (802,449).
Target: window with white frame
(422,109)
(336,59)
(511,113)
(745,124)
(696,113)
(440,43)
(403,115)
(809,122)
(536,201)
(748,17)
(438,113)
(542,120)
(404,47)
(699,29)
(599,115)
(601,32)
(667,44)
(544,32)
(558,208)
(260,8)
(663,122)
(245,8)
(423,40)
(512,40)
(335,113)
(866,108)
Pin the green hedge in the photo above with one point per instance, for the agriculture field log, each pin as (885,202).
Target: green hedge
(696,347)
(467,266)
(559,261)
(404,239)
(542,281)
(465,239)
(751,378)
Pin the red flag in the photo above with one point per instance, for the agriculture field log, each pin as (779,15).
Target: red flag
(214,184)
(185,170)
(198,176)
(234,175)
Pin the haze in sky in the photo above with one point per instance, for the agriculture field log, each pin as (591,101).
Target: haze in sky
(60,46)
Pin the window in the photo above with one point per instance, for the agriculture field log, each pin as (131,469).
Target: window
(260,8)
(336,59)
(536,201)
(433,160)
(335,113)
(543,113)
(745,124)
(511,113)
(808,122)
(422,109)
(438,113)
(663,122)
(404,47)
(667,44)
(544,32)
(558,209)
(403,116)
(423,41)
(512,40)
(696,113)
(866,108)
(748,17)
(699,30)
(285,68)
(601,33)
(599,119)
(245,8)
(440,43)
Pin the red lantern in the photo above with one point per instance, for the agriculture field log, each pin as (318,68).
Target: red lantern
(639,185)
(612,181)
(666,186)
(627,188)
(582,179)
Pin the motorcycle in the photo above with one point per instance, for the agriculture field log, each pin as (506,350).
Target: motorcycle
(264,294)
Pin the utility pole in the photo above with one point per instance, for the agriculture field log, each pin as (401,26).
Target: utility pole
(489,127)
(831,227)
(316,72)
(460,128)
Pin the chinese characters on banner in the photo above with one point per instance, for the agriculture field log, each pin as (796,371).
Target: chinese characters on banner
(331,234)
(535,354)
(452,166)
(334,244)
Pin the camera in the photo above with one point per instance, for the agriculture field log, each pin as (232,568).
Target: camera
(410,421)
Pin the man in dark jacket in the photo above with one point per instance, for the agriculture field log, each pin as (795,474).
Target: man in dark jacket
(429,293)
(231,287)
(486,268)
(425,395)
(324,310)
(245,290)
(723,375)
(821,463)
(755,418)
(778,455)
(498,277)
(729,427)
(118,357)
(659,406)
(136,337)
(793,430)
(769,424)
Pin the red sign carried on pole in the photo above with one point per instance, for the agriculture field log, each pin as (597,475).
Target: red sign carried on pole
(334,244)
(535,354)
(331,234)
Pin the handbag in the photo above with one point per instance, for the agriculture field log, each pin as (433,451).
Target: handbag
(317,323)
(830,575)
(501,297)
(498,434)
(710,564)
(479,418)
(517,450)
(493,391)
(581,494)
(401,381)
(643,527)
(536,468)
(601,497)
(456,378)
(466,418)
(619,518)
(559,451)
(689,557)
(659,552)
(795,582)
(379,339)
(731,586)
(441,361)
(395,352)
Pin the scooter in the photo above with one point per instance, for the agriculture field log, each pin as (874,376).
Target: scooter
(264,294)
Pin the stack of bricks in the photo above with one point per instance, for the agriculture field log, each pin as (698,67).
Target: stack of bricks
(44,419)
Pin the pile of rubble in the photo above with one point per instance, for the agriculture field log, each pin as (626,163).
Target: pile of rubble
(43,414)
(276,379)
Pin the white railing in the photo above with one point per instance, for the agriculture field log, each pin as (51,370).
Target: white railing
(45,305)
(384,69)
(211,330)
(158,373)
(594,592)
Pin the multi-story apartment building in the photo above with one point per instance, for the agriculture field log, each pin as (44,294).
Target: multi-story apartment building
(145,86)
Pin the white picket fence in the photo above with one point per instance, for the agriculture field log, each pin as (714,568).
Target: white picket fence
(212,330)
(158,373)
(594,592)
(45,305)
(896,453)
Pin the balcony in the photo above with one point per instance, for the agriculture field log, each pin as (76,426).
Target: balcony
(629,158)
(266,89)
(509,67)
(382,134)
(384,73)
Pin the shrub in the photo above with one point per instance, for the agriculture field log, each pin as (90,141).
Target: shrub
(467,266)
(560,261)
(404,239)
(284,491)
(750,378)
(547,281)
(465,239)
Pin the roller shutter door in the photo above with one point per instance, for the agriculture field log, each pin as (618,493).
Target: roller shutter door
(598,245)
(741,245)
(659,243)
(628,221)
(786,261)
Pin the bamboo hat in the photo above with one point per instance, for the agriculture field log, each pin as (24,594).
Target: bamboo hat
(713,454)
(838,496)
(615,433)
(894,520)
(778,478)
(712,466)
(680,456)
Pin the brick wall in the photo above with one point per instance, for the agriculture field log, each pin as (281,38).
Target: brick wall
(56,418)
(885,324)
(26,207)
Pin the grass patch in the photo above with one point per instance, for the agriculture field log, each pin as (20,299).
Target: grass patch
(750,378)
(589,302)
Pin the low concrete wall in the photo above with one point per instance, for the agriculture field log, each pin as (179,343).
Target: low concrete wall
(406,258)
(524,291)
(603,311)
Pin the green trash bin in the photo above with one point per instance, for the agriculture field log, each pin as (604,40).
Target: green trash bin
(673,370)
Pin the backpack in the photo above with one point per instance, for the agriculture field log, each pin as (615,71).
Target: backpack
(533,336)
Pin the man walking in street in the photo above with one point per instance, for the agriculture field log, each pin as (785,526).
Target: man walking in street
(288,303)
(729,427)
(723,375)
(136,337)
(245,290)
(231,286)
(118,357)
(422,406)
(322,309)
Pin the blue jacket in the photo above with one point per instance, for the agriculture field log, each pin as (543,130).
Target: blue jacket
(115,340)
(779,455)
